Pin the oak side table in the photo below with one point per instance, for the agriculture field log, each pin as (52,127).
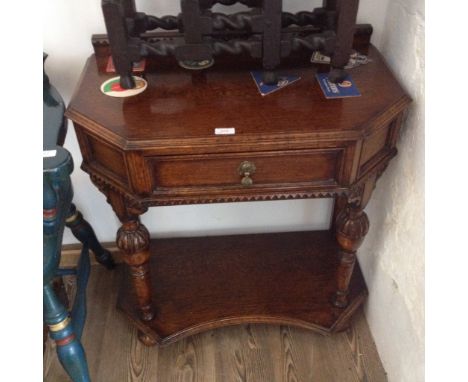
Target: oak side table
(160,148)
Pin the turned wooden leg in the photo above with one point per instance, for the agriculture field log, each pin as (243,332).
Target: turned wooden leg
(133,240)
(69,349)
(339,205)
(351,227)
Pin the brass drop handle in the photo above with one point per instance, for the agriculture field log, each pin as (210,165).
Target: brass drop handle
(246,169)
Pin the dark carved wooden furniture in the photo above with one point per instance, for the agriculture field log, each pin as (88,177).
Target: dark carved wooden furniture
(198,34)
(160,148)
(65,327)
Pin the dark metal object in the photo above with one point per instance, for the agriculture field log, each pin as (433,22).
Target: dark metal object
(265,32)
(246,169)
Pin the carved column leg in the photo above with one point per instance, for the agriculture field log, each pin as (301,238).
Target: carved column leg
(352,226)
(133,240)
(338,206)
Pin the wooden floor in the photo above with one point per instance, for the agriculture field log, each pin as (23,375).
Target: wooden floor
(255,353)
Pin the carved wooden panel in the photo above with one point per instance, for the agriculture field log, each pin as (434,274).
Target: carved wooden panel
(107,158)
(374,144)
(380,146)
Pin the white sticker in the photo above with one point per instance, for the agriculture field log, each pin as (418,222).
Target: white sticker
(225,131)
(49,153)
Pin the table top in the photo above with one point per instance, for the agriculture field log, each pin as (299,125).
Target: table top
(180,104)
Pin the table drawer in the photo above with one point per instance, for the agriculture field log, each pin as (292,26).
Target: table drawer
(246,169)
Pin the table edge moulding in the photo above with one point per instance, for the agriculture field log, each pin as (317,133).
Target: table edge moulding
(159,148)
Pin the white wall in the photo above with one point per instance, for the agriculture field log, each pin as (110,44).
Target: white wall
(392,256)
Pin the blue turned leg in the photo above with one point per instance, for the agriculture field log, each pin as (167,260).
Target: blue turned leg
(83,231)
(65,330)
(69,349)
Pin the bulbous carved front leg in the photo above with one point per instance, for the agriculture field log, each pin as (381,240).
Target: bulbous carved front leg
(352,226)
(133,240)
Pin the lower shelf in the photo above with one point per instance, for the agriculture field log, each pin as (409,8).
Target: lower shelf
(209,282)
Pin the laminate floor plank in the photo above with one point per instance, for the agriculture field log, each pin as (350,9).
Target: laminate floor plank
(241,353)
(100,298)
(365,356)
(311,357)
(245,353)
(188,360)
(137,364)
(229,358)
(258,342)
(296,356)
(52,367)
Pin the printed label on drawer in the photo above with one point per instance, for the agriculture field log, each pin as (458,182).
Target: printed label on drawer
(225,131)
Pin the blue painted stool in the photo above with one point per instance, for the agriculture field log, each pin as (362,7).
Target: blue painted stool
(65,327)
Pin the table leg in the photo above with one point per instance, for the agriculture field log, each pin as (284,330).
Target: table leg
(351,227)
(133,240)
(339,205)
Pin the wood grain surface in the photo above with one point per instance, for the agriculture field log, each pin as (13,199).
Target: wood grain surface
(161,148)
(182,104)
(251,353)
(202,283)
